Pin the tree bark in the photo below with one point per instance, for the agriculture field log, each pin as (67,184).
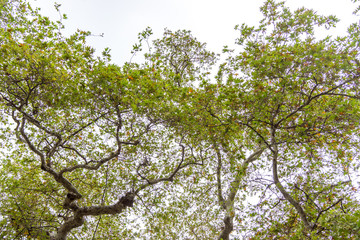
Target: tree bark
(80,213)
(235,185)
(283,191)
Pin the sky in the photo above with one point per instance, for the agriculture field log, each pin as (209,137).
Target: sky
(211,21)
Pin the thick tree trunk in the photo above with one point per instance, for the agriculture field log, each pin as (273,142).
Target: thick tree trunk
(80,213)
(228,227)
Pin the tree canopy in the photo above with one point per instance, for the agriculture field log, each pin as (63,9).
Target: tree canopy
(265,149)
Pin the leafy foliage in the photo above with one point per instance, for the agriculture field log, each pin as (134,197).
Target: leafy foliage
(158,150)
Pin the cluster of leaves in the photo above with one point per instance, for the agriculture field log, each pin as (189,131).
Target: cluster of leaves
(268,150)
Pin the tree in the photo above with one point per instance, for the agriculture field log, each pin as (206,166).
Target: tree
(281,123)
(159,150)
(286,120)
(286,123)
(90,136)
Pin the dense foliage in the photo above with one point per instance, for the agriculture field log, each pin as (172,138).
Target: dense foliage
(266,149)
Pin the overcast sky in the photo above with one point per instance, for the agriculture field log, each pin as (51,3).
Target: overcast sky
(211,21)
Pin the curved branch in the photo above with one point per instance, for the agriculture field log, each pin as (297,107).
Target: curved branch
(95,167)
(281,188)
(44,166)
(170,178)
(78,219)
(324,210)
(218,176)
(104,160)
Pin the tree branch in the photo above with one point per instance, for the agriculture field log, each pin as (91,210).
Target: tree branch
(234,187)
(78,219)
(280,187)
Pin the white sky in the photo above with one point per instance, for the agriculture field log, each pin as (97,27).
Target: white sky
(211,21)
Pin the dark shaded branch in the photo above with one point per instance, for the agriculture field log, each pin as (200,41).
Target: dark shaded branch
(38,125)
(344,95)
(78,219)
(94,167)
(257,133)
(85,126)
(102,200)
(324,210)
(102,161)
(170,177)
(76,151)
(281,188)
(44,166)
(311,98)
(329,188)
(227,229)
(218,175)
(307,196)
